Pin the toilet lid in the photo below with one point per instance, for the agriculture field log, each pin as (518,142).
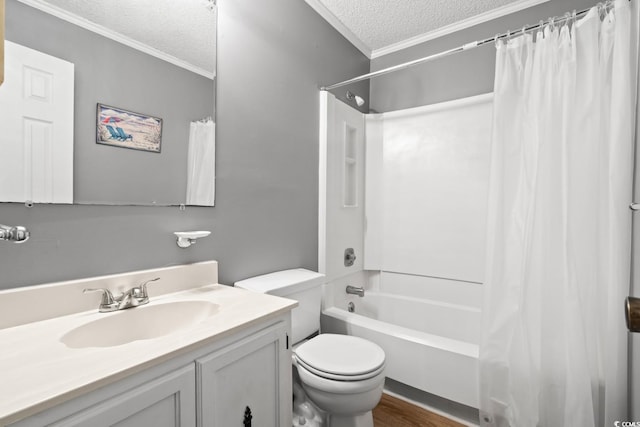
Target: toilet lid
(341,355)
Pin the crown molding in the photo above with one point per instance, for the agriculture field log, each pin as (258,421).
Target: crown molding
(457,26)
(113,35)
(328,16)
(322,10)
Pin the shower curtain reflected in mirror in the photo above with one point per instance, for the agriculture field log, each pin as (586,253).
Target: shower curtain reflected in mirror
(554,344)
(201,163)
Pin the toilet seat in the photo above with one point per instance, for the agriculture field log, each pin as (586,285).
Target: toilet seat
(340,357)
(327,385)
(337,377)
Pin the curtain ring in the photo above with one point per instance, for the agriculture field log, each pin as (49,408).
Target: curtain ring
(573,17)
(496,40)
(566,20)
(610,13)
(610,5)
(540,30)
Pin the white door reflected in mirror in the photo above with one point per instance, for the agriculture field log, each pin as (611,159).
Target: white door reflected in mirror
(36,118)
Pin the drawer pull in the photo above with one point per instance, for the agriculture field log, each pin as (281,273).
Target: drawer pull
(247,417)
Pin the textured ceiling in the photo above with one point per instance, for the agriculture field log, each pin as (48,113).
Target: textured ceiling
(381,23)
(184,29)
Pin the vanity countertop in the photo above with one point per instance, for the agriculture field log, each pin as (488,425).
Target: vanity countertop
(38,371)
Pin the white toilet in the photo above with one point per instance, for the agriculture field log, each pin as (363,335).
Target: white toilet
(342,375)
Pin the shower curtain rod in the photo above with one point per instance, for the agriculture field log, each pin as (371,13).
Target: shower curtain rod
(462,48)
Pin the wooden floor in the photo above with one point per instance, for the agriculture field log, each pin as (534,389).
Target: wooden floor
(392,412)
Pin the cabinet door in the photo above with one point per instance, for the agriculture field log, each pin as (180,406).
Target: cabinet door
(168,401)
(247,381)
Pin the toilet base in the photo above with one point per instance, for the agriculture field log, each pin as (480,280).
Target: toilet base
(361,420)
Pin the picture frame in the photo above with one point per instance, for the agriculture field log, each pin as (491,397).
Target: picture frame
(126,129)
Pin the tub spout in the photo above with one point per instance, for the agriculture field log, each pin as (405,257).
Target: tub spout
(353,290)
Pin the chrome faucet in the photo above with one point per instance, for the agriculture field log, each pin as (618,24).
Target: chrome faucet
(132,298)
(17,234)
(355,290)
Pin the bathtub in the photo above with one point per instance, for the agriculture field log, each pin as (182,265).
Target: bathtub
(429,329)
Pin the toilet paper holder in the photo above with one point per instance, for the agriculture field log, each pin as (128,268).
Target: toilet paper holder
(632,313)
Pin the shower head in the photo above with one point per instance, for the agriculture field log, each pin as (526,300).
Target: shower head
(351,97)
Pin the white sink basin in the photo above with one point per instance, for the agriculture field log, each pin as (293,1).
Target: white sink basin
(139,323)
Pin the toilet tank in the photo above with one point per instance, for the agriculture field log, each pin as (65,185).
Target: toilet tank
(304,286)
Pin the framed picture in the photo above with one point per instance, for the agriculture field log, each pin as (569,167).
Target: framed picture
(126,129)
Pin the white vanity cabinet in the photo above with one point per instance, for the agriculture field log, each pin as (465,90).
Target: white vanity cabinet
(209,386)
(249,381)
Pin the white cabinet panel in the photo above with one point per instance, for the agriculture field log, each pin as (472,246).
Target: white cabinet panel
(252,375)
(167,401)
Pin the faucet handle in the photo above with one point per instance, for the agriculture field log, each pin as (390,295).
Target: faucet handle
(107,296)
(108,302)
(143,287)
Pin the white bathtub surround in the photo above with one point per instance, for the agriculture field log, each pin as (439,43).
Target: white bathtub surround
(341,187)
(448,291)
(422,235)
(429,336)
(554,345)
(426,195)
(334,294)
(39,371)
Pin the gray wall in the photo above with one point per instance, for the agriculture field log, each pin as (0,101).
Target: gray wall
(110,73)
(272,57)
(457,76)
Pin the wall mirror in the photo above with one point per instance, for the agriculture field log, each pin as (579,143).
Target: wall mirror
(141,125)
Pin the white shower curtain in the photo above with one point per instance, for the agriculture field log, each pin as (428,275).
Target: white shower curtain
(554,344)
(201,163)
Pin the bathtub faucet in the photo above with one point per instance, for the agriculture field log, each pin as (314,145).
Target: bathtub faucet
(353,290)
